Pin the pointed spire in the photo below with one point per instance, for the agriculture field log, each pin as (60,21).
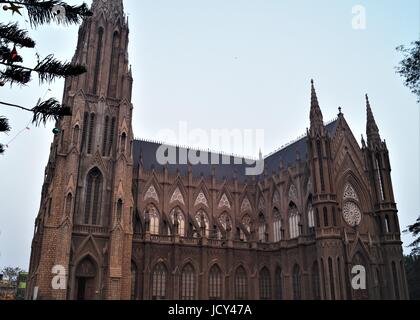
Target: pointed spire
(316,117)
(372,130)
(111,8)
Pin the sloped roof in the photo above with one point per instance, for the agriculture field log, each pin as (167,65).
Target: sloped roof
(235,166)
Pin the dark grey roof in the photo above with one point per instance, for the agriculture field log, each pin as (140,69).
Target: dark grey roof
(147,150)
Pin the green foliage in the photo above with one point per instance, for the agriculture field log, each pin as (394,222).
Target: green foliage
(415,231)
(412,268)
(48,69)
(409,67)
(11,274)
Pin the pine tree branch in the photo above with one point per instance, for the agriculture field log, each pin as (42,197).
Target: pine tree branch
(48,70)
(15,74)
(4,125)
(1,148)
(11,33)
(50,109)
(44,12)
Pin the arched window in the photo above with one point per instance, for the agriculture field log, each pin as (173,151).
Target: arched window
(188,283)
(332,278)
(318,219)
(226,223)
(76,133)
(311,219)
(123,142)
(297,289)
(119,209)
(159,281)
(105,140)
(98,60)
(395,278)
(180,221)
(203,222)
(246,223)
(380,177)
(241,284)
(85,129)
(69,200)
(113,74)
(340,280)
(326,223)
(262,229)
(387,224)
(279,285)
(315,282)
(91,138)
(133,281)
(93,197)
(215,283)
(265,284)
(111,136)
(321,164)
(294,221)
(334,213)
(277,226)
(153,220)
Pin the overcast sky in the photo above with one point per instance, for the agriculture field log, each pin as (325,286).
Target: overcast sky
(237,64)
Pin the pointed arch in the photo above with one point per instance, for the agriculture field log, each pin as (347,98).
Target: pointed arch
(265,284)
(311,216)
(241,284)
(277,226)
(297,285)
(134,280)
(294,221)
(159,282)
(316,288)
(215,283)
(262,228)
(114,68)
(98,59)
(153,218)
(86,279)
(278,285)
(178,220)
(68,205)
(94,186)
(203,221)
(188,283)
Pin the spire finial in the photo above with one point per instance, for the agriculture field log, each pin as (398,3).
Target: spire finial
(316,114)
(372,130)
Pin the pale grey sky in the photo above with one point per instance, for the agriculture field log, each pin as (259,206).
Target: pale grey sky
(242,64)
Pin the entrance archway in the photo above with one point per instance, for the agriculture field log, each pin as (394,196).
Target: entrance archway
(86,280)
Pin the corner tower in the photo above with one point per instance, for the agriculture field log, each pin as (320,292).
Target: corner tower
(378,167)
(84,222)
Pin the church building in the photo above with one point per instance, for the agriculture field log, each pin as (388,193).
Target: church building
(125,226)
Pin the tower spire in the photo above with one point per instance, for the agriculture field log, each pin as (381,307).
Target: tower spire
(316,117)
(372,130)
(111,8)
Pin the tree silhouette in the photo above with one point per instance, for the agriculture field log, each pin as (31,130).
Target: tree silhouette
(409,67)
(48,69)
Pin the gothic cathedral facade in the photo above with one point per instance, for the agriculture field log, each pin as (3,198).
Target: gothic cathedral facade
(123,226)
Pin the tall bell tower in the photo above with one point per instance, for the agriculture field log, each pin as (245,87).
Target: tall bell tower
(84,224)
